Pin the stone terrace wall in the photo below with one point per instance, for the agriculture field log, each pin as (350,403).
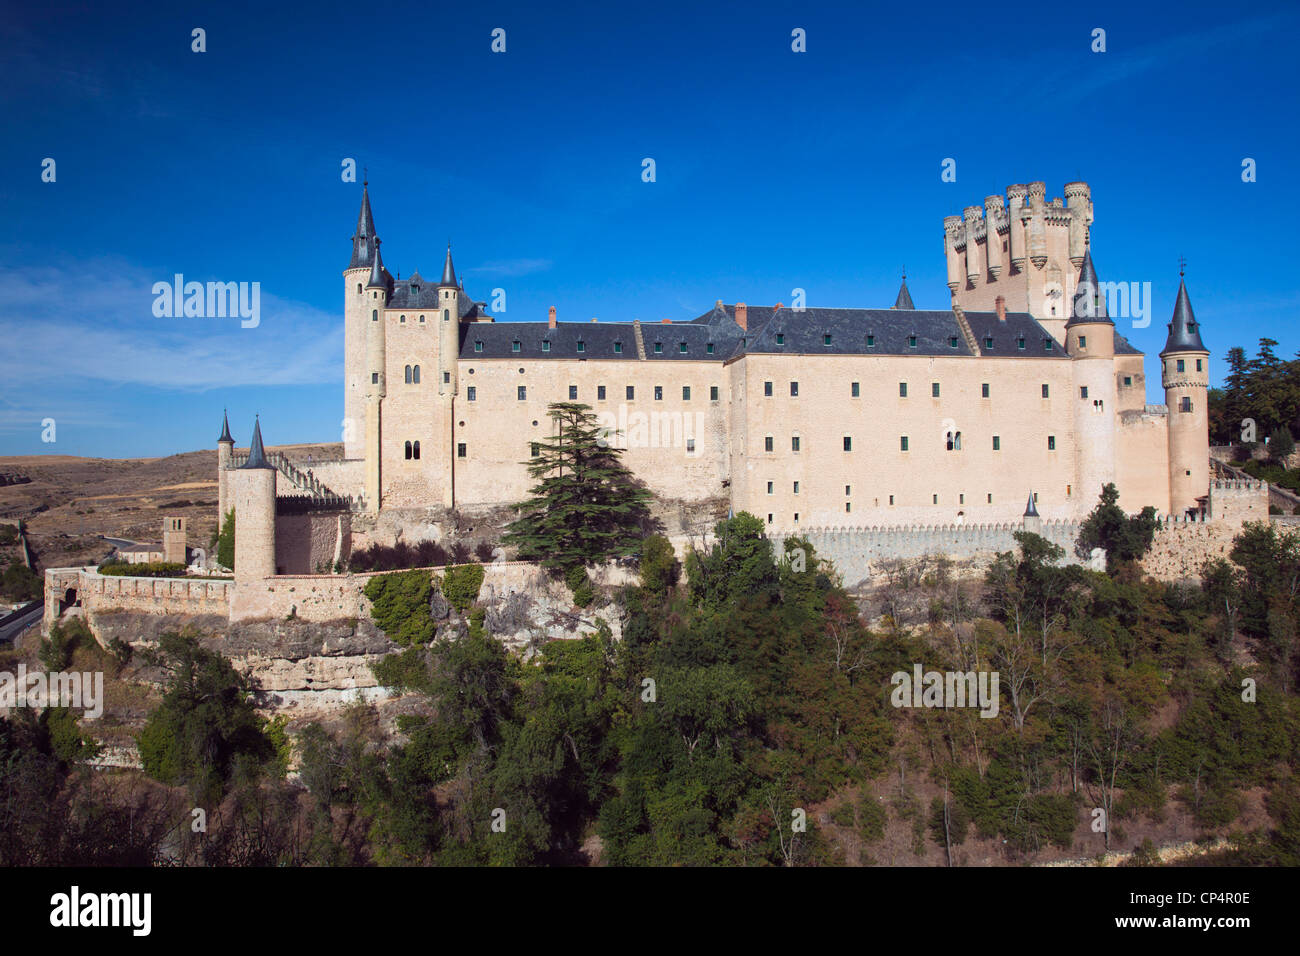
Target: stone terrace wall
(99,593)
(856,551)
(1182,546)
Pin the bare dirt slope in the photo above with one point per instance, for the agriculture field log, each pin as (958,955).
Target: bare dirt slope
(71,502)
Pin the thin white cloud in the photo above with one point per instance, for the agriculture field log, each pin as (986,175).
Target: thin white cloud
(512,267)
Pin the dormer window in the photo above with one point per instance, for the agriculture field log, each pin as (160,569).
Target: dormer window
(659,348)
(478,346)
(780,338)
(952,342)
(826,339)
(911,341)
(1047,345)
(871,341)
(709,348)
(682,347)
(546,345)
(1020,343)
(988,342)
(618,348)
(582,346)
(514,346)
(415,290)
(1191,327)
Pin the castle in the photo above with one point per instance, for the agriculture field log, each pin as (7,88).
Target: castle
(802,416)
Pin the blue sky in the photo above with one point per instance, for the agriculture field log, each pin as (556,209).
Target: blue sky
(775,170)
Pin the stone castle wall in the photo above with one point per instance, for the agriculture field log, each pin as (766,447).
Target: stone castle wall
(310,543)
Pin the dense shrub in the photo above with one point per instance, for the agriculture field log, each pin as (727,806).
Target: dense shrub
(226,542)
(20,583)
(460,585)
(659,566)
(580,585)
(400,606)
(150,569)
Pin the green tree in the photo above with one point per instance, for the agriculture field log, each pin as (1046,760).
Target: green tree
(659,565)
(399,604)
(1122,537)
(226,542)
(740,564)
(586,506)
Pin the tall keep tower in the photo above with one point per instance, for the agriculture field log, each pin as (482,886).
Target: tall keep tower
(377,291)
(1185,374)
(1090,343)
(448,352)
(355,315)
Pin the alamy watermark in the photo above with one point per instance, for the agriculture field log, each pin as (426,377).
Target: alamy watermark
(1124,300)
(79,690)
(628,429)
(946,689)
(215,300)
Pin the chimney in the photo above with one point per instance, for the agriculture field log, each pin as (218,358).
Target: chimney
(665,321)
(550,319)
(742,315)
(778,307)
(594,319)
(1000,303)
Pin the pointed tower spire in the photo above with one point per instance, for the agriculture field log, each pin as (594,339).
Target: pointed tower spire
(225,428)
(1184,333)
(904,300)
(1089,302)
(378,277)
(448,271)
(256,453)
(363,240)
(1031,510)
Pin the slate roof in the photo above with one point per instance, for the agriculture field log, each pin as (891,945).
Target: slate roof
(1083,310)
(1184,333)
(363,240)
(256,453)
(904,300)
(225,428)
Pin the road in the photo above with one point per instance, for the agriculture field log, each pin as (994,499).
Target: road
(17,622)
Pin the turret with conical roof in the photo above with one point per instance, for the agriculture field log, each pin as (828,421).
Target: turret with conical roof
(1185,374)
(363,240)
(1032,521)
(1089,332)
(378,274)
(357,310)
(225,461)
(904,300)
(449,298)
(253,494)
(448,270)
(256,453)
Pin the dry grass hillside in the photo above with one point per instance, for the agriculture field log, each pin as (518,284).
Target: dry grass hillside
(71,502)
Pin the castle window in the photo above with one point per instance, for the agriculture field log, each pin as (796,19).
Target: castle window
(1051,443)
(871,341)
(460,449)
(934,499)
(794,389)
(902,390)
(902,446)
(401,319)
(794,444)
(582,346)
(1067,490)
(848,506)
(769,487)
(767,389)
(1128,380)
(415,375)
(374,378)
(1182,366)
(997,442)
(534,449)
(1047,345)
(1198,365)
(416,450)
(961,499)
(421,320)
(631,392)
(780,338)
(659,393)
(471,394)
(573,392)
(659,348)
(374,315)
(848,443)
(523,393)
(446,376)
(478,346)
(415,290)
(408,375)
(934,389)
(1191,327)
(514,346)
(953,441)
(686,393)
(848,489)
(796,487)
(988,343)
(690,446)
(1045,390)
(600,393)
(891,500)
(546,345)
(769,517)
(618,348)
(990,498)
(358,288)
(826,339)
(1020,343)
(767,443)
(1185,404)
(1083,341)
(984,390)
(709,348)
(854,390)
(952,342)
(446,316)
(682,347)
(713,393)
(1083,391)
(408,451)
(796,517)
(911,341)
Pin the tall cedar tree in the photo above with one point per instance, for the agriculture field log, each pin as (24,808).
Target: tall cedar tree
(586,505)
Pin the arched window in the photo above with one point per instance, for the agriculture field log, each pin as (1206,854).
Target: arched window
(446,315)
(408,375)
(415,375)
(416,446)
(408,451)
(374,315)
(358,288)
